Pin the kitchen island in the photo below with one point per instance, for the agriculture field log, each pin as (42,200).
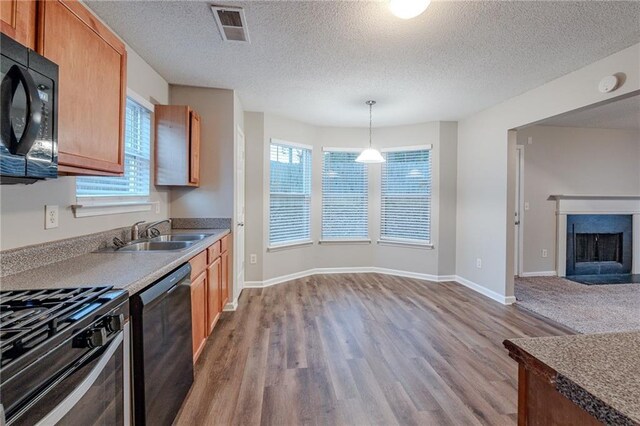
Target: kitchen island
(579,379)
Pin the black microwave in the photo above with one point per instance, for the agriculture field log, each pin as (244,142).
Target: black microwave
(28,114)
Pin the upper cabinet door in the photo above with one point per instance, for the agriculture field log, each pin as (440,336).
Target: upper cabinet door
(92,87)
(177,145)
(194,159)
(18,21)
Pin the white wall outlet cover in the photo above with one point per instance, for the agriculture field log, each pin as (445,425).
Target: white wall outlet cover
(608,84)
(253,259)
(478,263)
(526,205)
(50,217)
(545,253)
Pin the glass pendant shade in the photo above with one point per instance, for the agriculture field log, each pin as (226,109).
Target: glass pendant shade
(370,156)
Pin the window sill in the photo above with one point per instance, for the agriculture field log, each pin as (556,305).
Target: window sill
(410,244)
(290,245)
(93,208)
(346,241)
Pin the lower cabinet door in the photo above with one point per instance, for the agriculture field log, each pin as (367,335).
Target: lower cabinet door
(199,314)
(224,298)
(214,278)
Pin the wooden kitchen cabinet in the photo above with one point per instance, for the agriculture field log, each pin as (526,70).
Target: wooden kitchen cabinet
(92,87)
(210,280)
(214,292)
(177,148)
(199,327)
(224,284)
(18,21)
(198,314)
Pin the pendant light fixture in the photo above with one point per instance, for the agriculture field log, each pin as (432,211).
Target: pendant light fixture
(370,155)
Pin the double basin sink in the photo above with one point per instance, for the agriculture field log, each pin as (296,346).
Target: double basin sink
(164,243)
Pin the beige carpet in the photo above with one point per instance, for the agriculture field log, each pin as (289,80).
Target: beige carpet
(583,308)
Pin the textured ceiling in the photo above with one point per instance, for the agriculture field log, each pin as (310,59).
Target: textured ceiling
(623,114)
(318,61)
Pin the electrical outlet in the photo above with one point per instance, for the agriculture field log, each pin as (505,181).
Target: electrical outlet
(526,205)
(478,263)
(529,140)
(50,217)
(545,253)
(253,259)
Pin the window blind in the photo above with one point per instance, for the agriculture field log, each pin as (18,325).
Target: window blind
(136,179)
(345,191)
(406,196)
(290,194)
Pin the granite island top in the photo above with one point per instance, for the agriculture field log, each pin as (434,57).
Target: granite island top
(131,271)
(598,372)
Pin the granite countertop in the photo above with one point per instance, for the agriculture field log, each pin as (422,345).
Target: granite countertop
(598,372)
(131,271)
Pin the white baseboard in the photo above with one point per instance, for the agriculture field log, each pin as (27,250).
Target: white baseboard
(505,300)
(539,274)
(231,306)
(370,269)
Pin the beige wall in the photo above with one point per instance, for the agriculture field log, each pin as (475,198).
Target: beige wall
(22,206)
(571,161)
(260,128)
(214,196)
(486,156)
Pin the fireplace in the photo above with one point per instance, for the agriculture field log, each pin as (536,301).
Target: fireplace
(596,247)
(599,244)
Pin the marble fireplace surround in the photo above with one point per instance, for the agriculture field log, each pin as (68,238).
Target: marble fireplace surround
(595,204)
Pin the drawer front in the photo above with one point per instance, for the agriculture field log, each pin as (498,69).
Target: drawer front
(198,264)
(214,251)
(225,243)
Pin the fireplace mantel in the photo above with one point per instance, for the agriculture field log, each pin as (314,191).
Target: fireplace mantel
(594,204)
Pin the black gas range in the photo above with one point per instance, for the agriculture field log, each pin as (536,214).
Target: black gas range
(64,356)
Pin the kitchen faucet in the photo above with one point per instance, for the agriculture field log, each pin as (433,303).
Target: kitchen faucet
(135,230)
(151,228)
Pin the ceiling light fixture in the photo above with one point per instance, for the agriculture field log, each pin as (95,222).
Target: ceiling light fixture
(370,155)
(407,9)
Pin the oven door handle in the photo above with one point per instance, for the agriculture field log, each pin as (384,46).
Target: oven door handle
(55,415)
(15,75)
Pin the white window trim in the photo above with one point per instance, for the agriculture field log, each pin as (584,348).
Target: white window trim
(101,206)
(287,244)
(405,243)
(332,149)
(345,241)
(408,148)
(289,144)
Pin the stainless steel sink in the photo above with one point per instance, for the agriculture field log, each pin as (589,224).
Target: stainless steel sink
(181,237)
(156,246)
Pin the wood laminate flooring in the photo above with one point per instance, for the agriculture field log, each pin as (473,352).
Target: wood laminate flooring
(361,349)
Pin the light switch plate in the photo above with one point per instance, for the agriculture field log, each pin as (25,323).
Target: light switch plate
(50,217)
(478,263)
(526,205)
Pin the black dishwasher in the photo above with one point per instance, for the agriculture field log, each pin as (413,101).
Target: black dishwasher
(162,358)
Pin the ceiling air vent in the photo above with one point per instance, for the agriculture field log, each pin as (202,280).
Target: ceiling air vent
(231,22)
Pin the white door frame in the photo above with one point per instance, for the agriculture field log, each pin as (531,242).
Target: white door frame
(237,266)
(520,201)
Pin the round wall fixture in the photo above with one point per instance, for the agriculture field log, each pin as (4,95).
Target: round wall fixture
(608,84)
(407,9)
